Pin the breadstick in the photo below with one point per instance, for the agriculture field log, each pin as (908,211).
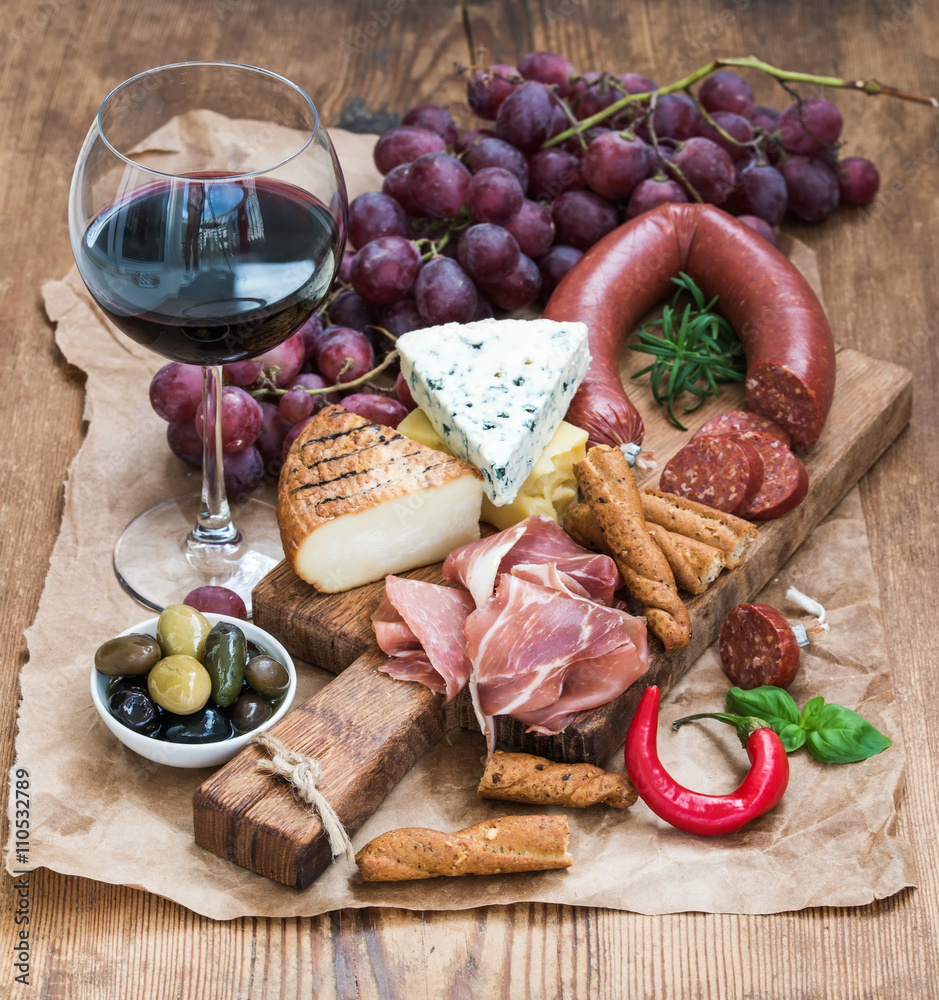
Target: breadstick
(695,564)
(494,847)
(732,535)
(523,777)
(607,484)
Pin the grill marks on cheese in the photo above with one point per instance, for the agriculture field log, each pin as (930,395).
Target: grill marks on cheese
(358,501)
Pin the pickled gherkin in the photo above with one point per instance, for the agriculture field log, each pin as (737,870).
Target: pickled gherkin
(225,658)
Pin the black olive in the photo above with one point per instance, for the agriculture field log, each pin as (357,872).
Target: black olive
(134,708)
(208,725)
(249,711)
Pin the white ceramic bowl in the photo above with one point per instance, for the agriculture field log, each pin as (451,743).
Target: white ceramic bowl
(195,754)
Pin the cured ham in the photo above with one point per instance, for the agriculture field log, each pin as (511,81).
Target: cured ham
(420,625)
(542,653)
(540,540)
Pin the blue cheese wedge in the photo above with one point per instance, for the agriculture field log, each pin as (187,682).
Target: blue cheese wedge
(496,390)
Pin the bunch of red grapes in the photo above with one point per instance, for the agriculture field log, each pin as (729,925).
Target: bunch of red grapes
(471,223)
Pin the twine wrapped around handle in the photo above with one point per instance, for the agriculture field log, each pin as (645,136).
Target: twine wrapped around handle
(303,774)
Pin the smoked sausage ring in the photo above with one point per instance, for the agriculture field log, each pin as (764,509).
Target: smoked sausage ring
(788,343)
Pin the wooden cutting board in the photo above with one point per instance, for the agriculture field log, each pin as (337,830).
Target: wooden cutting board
(367,729)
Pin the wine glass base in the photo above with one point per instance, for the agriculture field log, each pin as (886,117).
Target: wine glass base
(157,564)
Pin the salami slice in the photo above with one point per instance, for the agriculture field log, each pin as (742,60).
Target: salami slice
(785,481)
(735,421)
(757,646)
(723,472)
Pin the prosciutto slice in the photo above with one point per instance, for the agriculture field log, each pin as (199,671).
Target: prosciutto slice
(420,625)
(542,653)
(537,539)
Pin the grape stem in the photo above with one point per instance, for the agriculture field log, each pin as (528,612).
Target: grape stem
(387,361)
(869,87)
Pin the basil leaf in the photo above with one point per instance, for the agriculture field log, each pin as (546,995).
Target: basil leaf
(811,712)
(842,736)
(767,702)
(792,736)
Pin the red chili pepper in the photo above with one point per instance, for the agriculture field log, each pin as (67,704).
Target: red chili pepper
(696,812)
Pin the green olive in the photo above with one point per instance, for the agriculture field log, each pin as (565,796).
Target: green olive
(182,631)
(225,660)
(127,655)
(180,684)
(267,676)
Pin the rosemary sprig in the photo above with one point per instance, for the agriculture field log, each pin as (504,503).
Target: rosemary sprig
(696,350)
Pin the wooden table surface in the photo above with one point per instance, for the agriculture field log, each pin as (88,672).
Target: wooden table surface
(361,59)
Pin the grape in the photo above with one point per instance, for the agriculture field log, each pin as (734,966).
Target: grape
(384,270)
(764,118)
(176,391)
(486,89)
(374,214)
(555,264)
(467,140)
(675,117)
(651,193)
(401,317)
(348,308)
(241,419)
(292,436)
(344,354)
(438,184)
(395,186)
(858,180)
(184,442)
(217,601)
(310,332)
(344,274)
(404,393)
(526,116)
(375,407)
(533,229)
(636,83)
(496,152)
(812,188)
(760,226)
(810,127)
(270,441)
(552,172)
(296,405)
(725,91)
(484,309)
(281,363)
(581,218)
(594,93)
(614,165)
(494,195)
(551,68)
(242,372)
(707,168)
(310,380)
(404,145)
(485,251)
(736,126)
(559,120)
(444,292)
(517,289)
(761,191)
(243,472)
(434,118)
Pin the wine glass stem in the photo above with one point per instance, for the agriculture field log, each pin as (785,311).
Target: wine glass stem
(214,525)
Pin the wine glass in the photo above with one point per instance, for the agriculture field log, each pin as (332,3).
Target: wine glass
(207,216)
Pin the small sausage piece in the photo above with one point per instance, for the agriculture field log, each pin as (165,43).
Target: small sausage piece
(743,420)
(722,472)
(757,646)
(785,480)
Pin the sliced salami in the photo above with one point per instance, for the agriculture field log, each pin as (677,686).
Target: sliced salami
(785,481)
(735,421)
(757,646)
(723,472)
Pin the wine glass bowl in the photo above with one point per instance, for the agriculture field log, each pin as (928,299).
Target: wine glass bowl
(207,216)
